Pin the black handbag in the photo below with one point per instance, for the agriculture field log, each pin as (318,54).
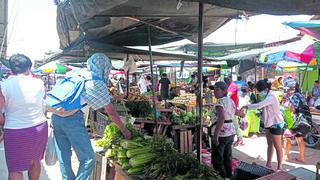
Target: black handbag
(302,125)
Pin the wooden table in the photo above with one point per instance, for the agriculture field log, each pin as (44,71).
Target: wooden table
(316,117)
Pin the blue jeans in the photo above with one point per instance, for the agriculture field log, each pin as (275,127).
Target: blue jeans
(71,132)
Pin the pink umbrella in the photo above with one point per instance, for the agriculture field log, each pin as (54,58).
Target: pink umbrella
(300,51)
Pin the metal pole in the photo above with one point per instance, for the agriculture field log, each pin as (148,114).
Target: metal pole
(304,75)
(175,76)
(200,88)
(255,71)
(152,80)
(128,84)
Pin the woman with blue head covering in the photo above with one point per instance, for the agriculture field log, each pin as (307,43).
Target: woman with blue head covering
(69,127)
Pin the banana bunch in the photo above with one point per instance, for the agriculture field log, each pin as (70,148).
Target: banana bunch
(137,97)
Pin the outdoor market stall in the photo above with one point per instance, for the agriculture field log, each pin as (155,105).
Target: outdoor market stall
(92,25)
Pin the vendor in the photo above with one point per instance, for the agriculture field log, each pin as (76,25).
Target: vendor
(277,84)
(315,93)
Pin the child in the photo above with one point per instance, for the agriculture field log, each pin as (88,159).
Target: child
(223,130)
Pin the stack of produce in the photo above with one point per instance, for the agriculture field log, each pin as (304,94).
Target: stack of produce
(115,94)
(181,117)
(170,164)
(138,105)
(153,158)
(131,155)
(187,99)
(137,97)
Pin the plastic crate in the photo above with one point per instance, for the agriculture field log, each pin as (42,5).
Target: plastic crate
(120,108)
(250,171)
(100,124)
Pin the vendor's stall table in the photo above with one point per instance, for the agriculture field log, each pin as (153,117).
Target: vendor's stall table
(316,117)
(182,137)
(100,170)
(303,174)
(140,123)
(278,175)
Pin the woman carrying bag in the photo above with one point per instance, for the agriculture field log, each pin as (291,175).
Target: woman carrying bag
(294,99)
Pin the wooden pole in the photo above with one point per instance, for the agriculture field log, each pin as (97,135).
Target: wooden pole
(200,87)
(152,80)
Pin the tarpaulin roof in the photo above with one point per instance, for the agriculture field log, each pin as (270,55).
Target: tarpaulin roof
(125,22)
(311,27)
(119,53)
(214,49)
(278,7)
(245,55)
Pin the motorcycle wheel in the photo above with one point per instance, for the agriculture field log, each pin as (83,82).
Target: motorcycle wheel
(312,139)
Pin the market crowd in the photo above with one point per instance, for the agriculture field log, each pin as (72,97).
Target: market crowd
(238,109)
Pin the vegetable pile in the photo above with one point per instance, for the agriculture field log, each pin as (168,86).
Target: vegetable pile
(153,158)
(138,105)
(182,117)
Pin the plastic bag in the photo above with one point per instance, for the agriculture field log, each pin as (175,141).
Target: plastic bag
(243,124)
(288,117)
(51,155)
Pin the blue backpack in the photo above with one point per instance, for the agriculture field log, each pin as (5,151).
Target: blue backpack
(66,93)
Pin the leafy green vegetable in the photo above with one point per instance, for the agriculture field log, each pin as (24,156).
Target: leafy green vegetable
(111,134)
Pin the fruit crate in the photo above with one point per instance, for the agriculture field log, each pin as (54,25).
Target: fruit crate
(100,169)
(99,124)
(98,120)
(121,109)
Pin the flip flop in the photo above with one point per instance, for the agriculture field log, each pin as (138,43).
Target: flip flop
(238,143)
(296,159)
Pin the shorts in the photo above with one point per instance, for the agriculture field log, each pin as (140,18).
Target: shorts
(277,129)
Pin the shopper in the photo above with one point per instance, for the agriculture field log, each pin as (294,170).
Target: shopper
(222,130)
(69,128)
(295,99)
(233,94)
(25,126)
(273,121)
(164,85)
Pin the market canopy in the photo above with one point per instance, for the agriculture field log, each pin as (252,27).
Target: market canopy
(215,49)
(278,7)
(125,22)
(311,27)
(304,50)
(78,56)
(54,67)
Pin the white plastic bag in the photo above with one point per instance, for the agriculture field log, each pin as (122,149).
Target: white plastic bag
(51,155)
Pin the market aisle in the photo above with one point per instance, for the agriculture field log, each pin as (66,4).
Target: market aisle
(255,150)
(47,172)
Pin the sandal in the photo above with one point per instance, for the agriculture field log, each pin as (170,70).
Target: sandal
(238,143)
(297,159)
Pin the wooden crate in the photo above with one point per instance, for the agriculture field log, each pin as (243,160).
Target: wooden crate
(186,141)
(100,170)
(120,174)
(182,136)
